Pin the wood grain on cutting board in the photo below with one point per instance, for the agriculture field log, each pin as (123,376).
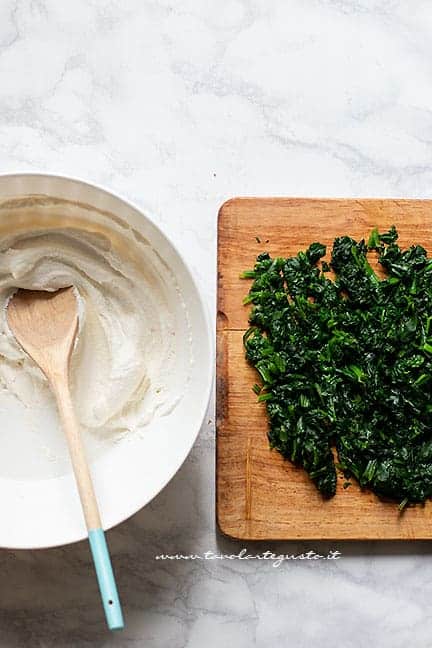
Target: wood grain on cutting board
(259,494)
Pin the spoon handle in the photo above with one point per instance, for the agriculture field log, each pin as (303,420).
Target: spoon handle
(96,535)
(106,579)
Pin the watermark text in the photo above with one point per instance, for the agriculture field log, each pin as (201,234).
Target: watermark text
(274,558)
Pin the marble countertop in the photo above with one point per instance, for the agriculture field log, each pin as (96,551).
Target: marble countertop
(179,106)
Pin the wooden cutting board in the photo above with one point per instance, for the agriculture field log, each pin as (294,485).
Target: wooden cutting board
(259,494)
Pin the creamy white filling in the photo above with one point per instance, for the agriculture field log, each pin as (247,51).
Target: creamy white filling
(133,352)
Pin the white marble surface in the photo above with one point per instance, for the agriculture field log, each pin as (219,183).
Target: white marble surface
(178,106)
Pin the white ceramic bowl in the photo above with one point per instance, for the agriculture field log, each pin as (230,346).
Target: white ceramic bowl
(39,512)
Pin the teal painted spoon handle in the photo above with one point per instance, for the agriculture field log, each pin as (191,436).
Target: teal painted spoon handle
(98,545)
(106,580)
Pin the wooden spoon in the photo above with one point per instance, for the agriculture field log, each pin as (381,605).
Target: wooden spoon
(45,324)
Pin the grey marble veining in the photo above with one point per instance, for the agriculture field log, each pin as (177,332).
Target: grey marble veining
(179,106)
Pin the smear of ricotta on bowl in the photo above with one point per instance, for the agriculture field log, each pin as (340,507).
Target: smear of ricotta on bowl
(133,353)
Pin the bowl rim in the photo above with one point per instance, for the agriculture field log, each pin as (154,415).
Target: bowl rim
(209,377)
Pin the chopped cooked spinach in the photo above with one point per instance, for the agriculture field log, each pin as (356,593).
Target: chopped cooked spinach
(346,363)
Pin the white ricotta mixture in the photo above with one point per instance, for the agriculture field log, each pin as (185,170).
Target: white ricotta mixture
(133,353)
